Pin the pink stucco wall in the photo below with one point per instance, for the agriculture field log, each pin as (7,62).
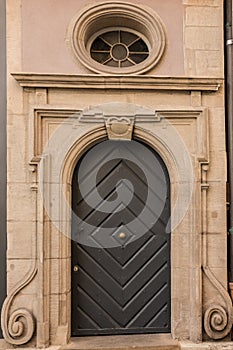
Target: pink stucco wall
(44,26)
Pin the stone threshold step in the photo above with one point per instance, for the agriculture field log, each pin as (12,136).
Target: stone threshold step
(124,342)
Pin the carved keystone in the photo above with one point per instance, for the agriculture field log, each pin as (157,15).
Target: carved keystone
(119,128)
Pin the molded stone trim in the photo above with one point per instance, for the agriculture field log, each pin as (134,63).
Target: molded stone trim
(71,81)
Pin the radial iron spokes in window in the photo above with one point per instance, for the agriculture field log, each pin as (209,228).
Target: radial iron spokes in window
(119,48)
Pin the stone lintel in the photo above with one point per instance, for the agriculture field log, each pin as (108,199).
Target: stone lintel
(116,82)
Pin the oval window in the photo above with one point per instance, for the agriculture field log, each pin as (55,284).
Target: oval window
(116,37)
(119,48)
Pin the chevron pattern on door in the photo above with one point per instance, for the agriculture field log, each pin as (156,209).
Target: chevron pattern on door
(120,241)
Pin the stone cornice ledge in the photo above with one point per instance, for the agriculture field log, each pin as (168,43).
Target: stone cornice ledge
(139,82)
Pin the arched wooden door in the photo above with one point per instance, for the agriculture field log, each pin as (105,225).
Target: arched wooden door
(120,241)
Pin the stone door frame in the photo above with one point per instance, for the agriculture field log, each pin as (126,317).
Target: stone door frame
(50,268)
(85,140)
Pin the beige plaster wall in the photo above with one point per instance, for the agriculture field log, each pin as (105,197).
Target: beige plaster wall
(44,26)
(194,34)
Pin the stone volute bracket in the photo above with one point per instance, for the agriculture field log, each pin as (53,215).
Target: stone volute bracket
(216,318)
(18,326)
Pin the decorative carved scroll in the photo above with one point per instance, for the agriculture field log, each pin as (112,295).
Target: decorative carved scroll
(18,326)
(217,319)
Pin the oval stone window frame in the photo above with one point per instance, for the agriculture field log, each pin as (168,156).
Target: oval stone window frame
(116,14)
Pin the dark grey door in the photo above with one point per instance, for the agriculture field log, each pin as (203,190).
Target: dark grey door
(120,241)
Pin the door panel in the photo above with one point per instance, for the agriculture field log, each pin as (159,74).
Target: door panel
(120,241)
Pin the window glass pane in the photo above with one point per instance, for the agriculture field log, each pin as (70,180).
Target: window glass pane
(119,48)
(139,46)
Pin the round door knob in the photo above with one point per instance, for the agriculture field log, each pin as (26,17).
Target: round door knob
(122,235)
(75,268)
